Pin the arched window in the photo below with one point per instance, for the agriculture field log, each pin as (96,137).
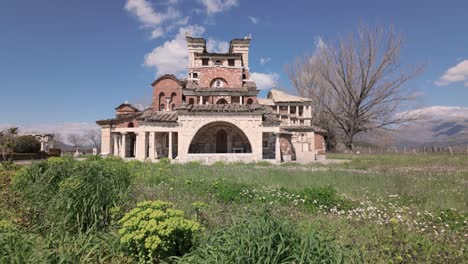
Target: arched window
(161,100)
(218,83)
(191,101)
(173,107)
(221,101)
(131,124)
(218,63)
(249,101)
(162,107)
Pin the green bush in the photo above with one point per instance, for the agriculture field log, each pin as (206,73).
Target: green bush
(324,197)
(27,144)
(227,191)
(22,247)
(74,195)
(154,231)
(267,239)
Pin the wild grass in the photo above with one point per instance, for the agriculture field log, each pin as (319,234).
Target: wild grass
(378,209)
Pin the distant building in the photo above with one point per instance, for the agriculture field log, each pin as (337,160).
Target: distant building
(214,115)
(46,140)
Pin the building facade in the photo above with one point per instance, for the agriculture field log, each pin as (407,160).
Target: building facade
(214,114)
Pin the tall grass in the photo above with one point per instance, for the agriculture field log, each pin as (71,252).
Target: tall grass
(266,239)
(71,195)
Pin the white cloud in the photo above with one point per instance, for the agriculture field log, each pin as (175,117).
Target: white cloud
(264,80)
(264,61)
(213,45)
(216,6)
(147,15)
(458,73)
(172,56)
(156,33)
(253,19)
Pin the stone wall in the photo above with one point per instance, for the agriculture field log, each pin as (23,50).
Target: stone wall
(165,88)
(233,76)
(209,158)
(125,124)
(319,144)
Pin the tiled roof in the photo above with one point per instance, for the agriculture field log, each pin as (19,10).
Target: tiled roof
(160,117)
(249,85)
(128,105)
(120,118)
(223,108)
(265,101)
(315,129)
(281,97)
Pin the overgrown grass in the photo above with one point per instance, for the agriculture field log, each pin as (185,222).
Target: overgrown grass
(378,209)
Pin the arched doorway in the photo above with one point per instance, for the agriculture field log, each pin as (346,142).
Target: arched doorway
(221,101)
(221,141)
(220,137)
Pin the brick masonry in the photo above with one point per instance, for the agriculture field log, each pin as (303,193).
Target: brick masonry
(164,89)
(233,76)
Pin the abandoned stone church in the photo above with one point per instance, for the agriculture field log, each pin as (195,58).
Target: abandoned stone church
(214,114)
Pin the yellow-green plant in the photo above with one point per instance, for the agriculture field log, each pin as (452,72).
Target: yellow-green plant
(154,231)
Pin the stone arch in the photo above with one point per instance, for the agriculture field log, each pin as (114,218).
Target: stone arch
(161,101)
(219,83)
(207,139)
(221,101)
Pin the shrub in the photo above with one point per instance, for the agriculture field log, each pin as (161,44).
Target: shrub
(27,144)
(227,191)
(324,196)
(22,247)
(74,195)
(267,239)
(154,231)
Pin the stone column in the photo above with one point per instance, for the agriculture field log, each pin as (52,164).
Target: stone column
(241,100)
(42,146)
(116,145)
(105,140)
(152,146)
(229,143)
(170,146)
(278,149)
(277,109)
(140,145)
(123,146)
(168,108)
(201,99)
(297,110)
(289,113)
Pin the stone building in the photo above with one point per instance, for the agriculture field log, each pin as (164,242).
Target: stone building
(214,114)
(46,140)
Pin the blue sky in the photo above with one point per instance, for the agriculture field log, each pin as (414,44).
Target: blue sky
(74,61)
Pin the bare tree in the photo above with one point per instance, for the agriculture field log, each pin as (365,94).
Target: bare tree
(93,135)
(358,83)
(76,140)
(57,141)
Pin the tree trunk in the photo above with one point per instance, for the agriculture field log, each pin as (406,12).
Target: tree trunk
(349,142)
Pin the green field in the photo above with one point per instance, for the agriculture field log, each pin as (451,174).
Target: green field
(373,209)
